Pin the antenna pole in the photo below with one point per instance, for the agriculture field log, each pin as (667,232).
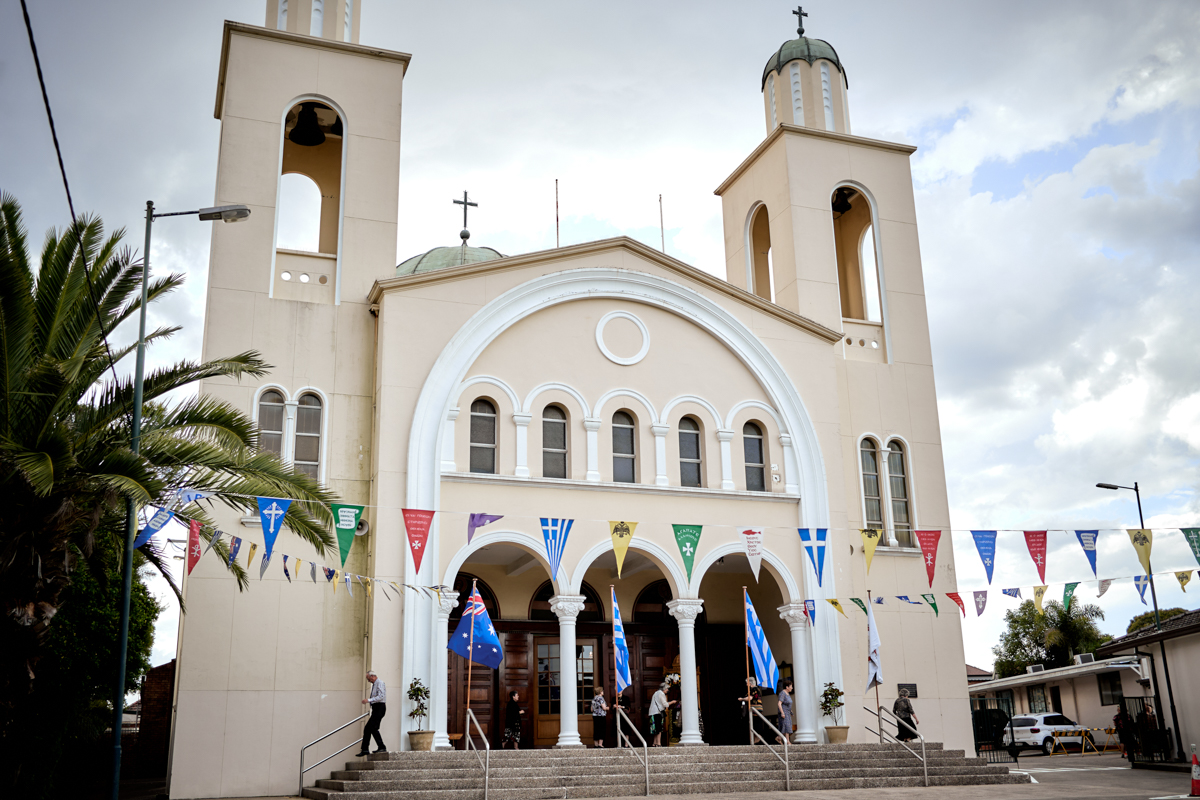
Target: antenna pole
(556,240)
(661,230)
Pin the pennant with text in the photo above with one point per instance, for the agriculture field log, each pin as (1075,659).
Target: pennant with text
(928,598)
(1193,538)
(1103,587)
(476,521)
(815,549)
(622,535)
(1184,579)
(980,603)
(929,545)
(193,551)
(1141,582)
(1039,593)
(1087,540)
(985,543)
(345,522)
(870,538)
(687,539)
(235,544)
(417,523)
(1012,593)
(1069,595)
(752,540)
(957,598)
(810,608)
(1143,540)
(858,602)
(555,532)
(838,606)
(1036,542)
(156,523)
(185,496)
(271,511)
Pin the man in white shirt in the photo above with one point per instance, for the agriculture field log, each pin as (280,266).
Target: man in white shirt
(378,703)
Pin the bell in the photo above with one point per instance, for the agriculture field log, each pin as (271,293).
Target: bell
(307,132)
(336,130)
(841,200)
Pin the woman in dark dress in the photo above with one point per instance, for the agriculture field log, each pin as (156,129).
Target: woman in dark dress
(753,699)
(512,722)
(903,709)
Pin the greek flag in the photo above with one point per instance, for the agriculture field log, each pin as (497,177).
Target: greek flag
(556,532)
(760,652)
(620,648)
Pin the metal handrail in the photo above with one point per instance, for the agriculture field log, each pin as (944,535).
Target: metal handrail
(785,758)
(304,769)
(485,761)
(621,715)
(878,713)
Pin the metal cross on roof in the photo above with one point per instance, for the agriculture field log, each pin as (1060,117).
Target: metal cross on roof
(800,14)
(465,203)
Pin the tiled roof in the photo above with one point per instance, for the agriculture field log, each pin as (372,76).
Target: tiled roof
(977,672)
(1179,625)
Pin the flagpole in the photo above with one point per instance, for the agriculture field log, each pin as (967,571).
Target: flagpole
(470,660)
(746,647)
(878,716)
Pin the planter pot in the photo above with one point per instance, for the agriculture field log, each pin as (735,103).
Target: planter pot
(423,740)
(837,733)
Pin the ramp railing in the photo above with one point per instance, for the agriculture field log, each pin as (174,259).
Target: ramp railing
(485,760)
(785,758)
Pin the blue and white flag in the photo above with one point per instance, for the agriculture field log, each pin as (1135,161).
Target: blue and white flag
(877,600)
(1087,540)
(760,652)
(1141,582)
(1012,593)
(810,606)
(816,551)
(185,496)
(475,637)
(349,586)
(262,568)
(287,574)
(904,597)
(620,647)
(556,532)
(156,523)
(271,512)
(234,545)
(985,543)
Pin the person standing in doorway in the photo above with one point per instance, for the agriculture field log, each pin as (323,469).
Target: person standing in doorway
(512,721)
(658,709)
(785,709)
(378,703)
(903,710)
(752,702)
(599,717)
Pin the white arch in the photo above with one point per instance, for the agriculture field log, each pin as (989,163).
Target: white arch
(537,549)
(778,569)
(641,398)
(755,404)
(499,384)
(691,398)
(748,242)
(562,387)
(659,555)
(883,304)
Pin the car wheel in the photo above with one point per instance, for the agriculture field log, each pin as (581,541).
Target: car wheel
(1048,747)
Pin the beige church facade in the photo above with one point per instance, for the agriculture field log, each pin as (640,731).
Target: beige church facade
(597,382)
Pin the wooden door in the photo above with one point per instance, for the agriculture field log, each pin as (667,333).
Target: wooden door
(547,705)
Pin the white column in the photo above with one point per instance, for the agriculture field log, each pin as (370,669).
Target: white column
(660,453)
(440,682)
(522,421)
(789,473)
(289,430)
(592,426)
(448,464)
(685,613)
(567,607)
(725,437)
(804,692)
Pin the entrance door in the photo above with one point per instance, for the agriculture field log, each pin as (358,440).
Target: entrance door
(547,709)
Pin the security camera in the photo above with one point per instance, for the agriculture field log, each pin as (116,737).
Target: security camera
(224,213)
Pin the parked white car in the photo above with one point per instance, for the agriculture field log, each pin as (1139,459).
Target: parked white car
(1037,730)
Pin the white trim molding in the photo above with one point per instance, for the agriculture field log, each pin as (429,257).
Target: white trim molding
(641,326)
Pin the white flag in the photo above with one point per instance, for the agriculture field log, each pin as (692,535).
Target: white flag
(874,668)
(1104,587)
(753,539)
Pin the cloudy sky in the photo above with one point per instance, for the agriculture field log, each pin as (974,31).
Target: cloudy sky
(1056,186)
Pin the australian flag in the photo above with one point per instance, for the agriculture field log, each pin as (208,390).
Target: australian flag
(486,647)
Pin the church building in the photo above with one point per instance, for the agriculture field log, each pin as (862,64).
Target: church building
(593,383)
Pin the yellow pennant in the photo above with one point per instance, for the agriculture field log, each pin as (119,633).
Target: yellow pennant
(367,583)
(870,537)
(396,586)
(622,533)
(1039,592)
(1142,540)
(298,563)
(337,578)
(1184,578)
(250,560)
(838,606)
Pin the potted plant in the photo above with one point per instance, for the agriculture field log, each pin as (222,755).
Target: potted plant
(831,706)
(419,738)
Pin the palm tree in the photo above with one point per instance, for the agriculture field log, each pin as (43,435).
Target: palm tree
(66,467)
(1071,631)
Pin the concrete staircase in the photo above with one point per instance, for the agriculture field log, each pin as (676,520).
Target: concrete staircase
(537,774)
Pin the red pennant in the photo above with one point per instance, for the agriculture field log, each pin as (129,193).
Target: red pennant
(954,596)
(193,553)
(1036,542)
(929,545)
(417,524)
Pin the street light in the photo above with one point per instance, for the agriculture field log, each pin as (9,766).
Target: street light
(1157,622)
(235,213)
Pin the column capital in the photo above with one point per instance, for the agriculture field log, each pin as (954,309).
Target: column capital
(522,419)
(724,436)
(785,439)
(567,606)
(592,423)
(447,602)
(660,429)
(793,614)
(685,610)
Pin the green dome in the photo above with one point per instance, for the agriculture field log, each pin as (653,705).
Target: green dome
(808,49)
(443,257)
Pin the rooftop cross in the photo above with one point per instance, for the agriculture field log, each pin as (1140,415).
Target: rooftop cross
(800,14)
(464,203)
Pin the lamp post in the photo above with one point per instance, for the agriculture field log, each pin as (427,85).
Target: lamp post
(235,213)
(1157,622)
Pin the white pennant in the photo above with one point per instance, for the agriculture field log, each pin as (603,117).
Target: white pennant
(752,538)
(1104,587)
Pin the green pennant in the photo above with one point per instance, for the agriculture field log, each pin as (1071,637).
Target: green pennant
(687,537)
(1068,595)
(928,598)
(1193,537)
(345,522)
(859,603)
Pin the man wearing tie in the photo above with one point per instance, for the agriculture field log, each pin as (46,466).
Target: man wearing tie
(378,703)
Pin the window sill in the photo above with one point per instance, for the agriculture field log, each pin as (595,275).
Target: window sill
(476,477)
(910,552)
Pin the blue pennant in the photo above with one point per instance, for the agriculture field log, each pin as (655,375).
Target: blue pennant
(156,523)
(271,511)
(1087,540)
(816,552)
(985,543)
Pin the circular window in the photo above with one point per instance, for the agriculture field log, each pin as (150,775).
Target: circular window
(636,357)
(304,277)
(287,276)
(324,279)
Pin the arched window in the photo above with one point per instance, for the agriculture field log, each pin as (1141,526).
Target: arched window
(554,442)
(689,453)
(651,604)
(318,18)
(483,437)
(539,606)
(870,276)
(761,277)
(857,262)
(872,500)
(299,213)
(624,458)
(898,494)
(756,471)
(308,435)
(462,585)
(270,422)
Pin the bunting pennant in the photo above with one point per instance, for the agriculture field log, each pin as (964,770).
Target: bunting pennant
(476,521)
(752,540)
(1039,592)
(877,600)
(620,647)
(1142,540)
(555,531)
(212,540)
(1103,587)
(980,603)
(687,539)
(904,597)
(156,523)
(262,568)
(250,558)
(928,598)
(1184,579)
(1193,538)
(1012,593)
(870,538)
(838,606)
(349,586)
(1141,582)
(337,578)
(271,511)
(185,496)
(312,570)
(193,551)
(957,598)
(816,550)
(366,585)
(417,523)
(1087,540)
(287,574)
(874,665)
(1036,542)
(622,534)
(928,540)
(810,608)
(345,522)
(985,543)
(1069,594)
(760,651)
(329,573)
(860,604)
(299,563)
(235,544)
